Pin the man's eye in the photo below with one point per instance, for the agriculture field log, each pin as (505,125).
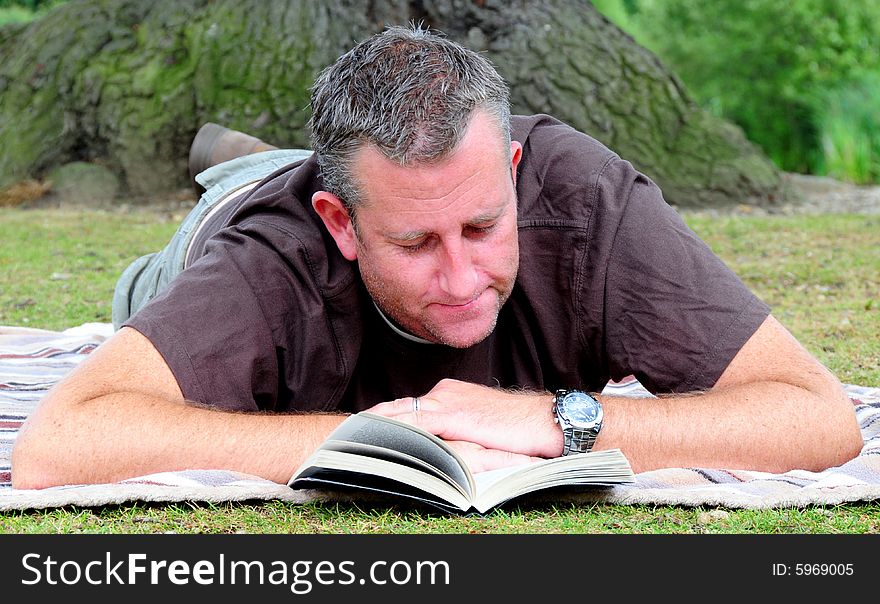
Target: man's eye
(414,247)
(481,229)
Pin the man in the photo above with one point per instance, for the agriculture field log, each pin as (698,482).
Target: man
(438,261)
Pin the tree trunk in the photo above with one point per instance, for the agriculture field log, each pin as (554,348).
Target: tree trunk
(126,84)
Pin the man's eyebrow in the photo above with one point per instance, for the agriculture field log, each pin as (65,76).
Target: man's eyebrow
(406,236)
(483,218)
(488,216)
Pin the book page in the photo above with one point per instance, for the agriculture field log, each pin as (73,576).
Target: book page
(324,465)
(372,451)
(379,431)
(595,468)
(346,480)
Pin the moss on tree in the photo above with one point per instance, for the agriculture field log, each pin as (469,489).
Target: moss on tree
(126,84)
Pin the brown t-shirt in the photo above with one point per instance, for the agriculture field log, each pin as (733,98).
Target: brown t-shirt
(611,283)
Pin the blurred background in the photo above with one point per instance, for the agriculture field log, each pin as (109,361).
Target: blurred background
(801,78)
(720,102)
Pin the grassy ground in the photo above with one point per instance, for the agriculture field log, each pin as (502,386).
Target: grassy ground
(821,276)
(58,268)
(819,273)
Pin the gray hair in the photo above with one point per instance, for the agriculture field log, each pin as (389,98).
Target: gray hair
(407,91)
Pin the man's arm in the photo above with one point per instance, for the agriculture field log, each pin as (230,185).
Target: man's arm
(775,408)
(121,414)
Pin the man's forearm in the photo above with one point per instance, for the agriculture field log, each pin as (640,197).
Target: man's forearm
(763,425)
(775,408)
(770,426)
(123,435)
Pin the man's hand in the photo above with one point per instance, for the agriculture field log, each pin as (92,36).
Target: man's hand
(481,459)
(500,422)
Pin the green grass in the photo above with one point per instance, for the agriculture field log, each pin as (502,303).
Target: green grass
(821,276)
(819,273)
(58,268)
(276,517)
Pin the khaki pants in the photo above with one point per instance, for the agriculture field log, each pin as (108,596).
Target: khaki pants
(226,185)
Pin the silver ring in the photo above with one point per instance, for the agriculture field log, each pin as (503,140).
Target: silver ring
(417,404)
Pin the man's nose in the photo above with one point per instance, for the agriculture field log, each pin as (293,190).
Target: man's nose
(458,273)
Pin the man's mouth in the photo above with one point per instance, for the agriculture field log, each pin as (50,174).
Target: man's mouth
(463,307)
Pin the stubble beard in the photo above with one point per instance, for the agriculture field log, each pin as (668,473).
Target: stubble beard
(388,302)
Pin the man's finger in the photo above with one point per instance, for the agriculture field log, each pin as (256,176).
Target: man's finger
(398,406)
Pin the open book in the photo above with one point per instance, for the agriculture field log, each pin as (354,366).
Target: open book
(377,453)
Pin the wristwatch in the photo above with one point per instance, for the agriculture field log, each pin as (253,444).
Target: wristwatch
(579,415)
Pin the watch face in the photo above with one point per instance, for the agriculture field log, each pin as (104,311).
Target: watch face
(580,409)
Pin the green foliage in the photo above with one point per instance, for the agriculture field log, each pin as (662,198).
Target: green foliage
(848,125)
(15,14)
(24,11)
(31,5)
(617,12)
(768,65)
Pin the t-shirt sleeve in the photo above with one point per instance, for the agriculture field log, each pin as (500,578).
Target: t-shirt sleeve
(211,330)
(674,315)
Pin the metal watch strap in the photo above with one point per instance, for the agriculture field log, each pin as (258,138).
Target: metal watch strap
(574,439)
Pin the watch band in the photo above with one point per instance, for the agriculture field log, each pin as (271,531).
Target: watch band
(577,441)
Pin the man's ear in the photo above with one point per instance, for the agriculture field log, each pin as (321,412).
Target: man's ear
(515,156)
(338,222)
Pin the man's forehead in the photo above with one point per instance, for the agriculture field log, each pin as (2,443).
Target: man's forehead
(482,143)
(413,198)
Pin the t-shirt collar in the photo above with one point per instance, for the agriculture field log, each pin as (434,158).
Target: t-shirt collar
(398,330)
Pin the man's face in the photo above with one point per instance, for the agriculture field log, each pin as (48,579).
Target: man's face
(437,245)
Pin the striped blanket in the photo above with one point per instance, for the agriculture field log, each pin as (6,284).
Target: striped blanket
(32,360)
